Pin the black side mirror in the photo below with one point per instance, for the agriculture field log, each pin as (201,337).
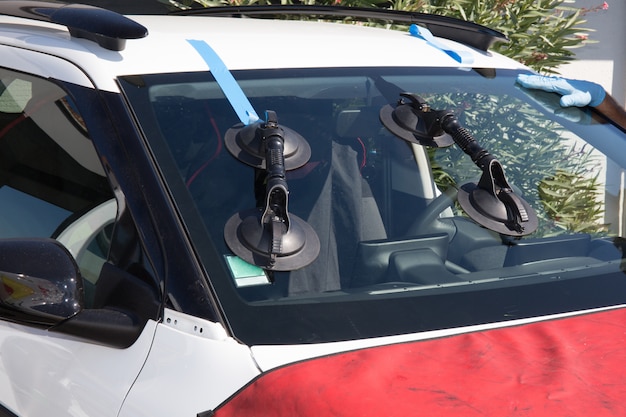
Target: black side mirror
(40,282)
(41,285)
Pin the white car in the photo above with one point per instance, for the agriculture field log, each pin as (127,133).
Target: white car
(219,213)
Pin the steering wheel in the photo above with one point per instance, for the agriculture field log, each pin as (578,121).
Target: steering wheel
(424,221)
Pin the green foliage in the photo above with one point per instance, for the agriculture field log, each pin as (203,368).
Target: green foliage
(570,200)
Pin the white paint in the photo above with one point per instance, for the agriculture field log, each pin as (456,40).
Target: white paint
(49,374)
(241,44)
(189,371)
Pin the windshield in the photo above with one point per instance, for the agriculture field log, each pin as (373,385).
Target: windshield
(397,253)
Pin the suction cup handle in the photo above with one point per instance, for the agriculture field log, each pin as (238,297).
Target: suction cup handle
(276,219)
(276,184)
(274,155)
(466,141)
(517,213)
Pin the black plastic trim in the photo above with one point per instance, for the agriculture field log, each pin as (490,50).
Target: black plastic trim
(469,33)
(108,29)
(5,412)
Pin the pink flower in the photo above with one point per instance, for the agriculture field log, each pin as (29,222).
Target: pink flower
(603,6)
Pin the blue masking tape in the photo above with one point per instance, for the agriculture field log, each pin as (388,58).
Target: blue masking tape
(227,82)
(462,57)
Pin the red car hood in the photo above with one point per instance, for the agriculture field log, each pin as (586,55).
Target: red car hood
(567,367)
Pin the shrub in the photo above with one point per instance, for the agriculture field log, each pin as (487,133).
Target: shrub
(542,33)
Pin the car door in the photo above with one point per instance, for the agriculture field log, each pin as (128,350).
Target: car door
(55,191)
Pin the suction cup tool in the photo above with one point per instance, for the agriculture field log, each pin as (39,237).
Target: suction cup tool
(270,237)
(247,143)
(493,204)
(415,122)
(270,243)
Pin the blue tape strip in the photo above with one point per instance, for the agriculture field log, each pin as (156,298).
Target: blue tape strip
(227,82)
(462,57)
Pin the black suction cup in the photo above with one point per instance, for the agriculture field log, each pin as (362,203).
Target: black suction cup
(273,245)
(493,204)
(415,122)
(246,143)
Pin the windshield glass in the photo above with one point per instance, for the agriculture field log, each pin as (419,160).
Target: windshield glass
(397,254)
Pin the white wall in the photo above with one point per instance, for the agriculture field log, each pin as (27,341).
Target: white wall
(605,61)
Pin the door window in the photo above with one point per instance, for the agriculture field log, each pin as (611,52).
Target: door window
(51,181)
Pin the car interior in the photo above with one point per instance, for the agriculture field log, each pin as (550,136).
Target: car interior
(371,197)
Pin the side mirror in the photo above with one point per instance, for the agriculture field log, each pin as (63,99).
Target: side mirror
(40,282)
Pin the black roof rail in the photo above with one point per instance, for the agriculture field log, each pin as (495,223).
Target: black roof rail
(469,33)
(108,29)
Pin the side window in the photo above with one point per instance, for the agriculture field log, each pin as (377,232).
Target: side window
(51,181)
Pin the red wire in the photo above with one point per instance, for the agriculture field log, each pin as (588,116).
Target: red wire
(218,149)
(10,126)
(23,116)
(364,159)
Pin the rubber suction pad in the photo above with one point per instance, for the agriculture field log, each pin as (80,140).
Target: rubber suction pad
(489,211)
(252,241)
(245,144)
(406,123)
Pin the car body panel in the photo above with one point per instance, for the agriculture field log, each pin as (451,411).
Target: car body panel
(48,374)
(207,365)
(261,50)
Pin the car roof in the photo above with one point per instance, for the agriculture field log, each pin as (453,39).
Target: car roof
(242,44)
